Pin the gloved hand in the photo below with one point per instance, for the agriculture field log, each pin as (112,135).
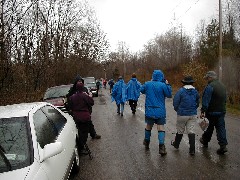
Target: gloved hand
(202,115)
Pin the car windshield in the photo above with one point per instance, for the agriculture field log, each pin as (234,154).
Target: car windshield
(57,92)
(14,144)
(89,80)
(91,84)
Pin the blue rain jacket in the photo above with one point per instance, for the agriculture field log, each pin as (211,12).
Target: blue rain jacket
(133,89)
(119,92)
(186,101)
(156,91)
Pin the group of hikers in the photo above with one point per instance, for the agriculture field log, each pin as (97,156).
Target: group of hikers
(185,102)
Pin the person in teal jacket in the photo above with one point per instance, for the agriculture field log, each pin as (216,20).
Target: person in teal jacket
(156,91)
(119,95)
(133,92)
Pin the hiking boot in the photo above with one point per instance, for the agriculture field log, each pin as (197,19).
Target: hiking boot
(223,149)
(96,137)
(146,144)
(205,144)
(84,152)
(162,150)
(177,140)
(192,144)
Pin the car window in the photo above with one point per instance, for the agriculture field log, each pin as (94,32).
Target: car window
(15,146)
(60,91)
(88,80)
(56,117)
(46,132)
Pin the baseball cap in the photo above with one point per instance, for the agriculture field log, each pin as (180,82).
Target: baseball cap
(210,74)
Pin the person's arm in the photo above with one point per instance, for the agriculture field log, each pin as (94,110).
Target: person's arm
(206,98)
(176,100)
(167,89)
(143,89)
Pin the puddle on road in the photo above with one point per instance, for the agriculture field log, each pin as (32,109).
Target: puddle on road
(102,99)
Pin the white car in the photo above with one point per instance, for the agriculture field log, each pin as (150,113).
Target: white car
(37,142)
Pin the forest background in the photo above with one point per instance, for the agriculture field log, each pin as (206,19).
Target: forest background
(47,42)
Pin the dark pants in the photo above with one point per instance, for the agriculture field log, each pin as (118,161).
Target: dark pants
(218,122)
(83,130)
(133,104)
(111,87)
(92,129)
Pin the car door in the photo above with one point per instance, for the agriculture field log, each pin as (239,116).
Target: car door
(48,131)
(66,133)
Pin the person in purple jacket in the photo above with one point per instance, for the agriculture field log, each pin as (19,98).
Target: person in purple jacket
(80,105)
(185,103)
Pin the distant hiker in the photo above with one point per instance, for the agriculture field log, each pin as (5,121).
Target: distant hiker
(133,92)
(156,91)
(104,83)
(185,103)
(98,84)
(119,95)
(111,83)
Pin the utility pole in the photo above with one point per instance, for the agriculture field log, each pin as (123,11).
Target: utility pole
(220,40)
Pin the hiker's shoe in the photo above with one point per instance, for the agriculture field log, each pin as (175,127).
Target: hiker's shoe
(146,144)
(223,149)
(162,150)
(174,144)
(205,144)
(84,152)
(96,137)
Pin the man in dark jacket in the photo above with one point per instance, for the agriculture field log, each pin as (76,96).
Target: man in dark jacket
(72,91)
(80,104)
(111,84)
(214,109)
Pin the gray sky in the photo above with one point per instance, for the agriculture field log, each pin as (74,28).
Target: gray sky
(137,21)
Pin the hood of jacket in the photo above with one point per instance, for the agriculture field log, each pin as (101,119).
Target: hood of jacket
(134,79)
(158,75)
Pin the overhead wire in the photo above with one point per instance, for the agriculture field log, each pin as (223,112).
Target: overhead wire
(174,20)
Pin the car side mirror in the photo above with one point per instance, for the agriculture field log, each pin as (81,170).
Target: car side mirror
(51,150)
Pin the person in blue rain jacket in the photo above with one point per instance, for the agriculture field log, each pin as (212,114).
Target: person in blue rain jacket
(185,103)
(133,92)
(156,91)
(119,94)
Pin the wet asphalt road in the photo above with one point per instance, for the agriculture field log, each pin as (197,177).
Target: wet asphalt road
(120,154)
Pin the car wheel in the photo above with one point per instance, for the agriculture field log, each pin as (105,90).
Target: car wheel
(76,163)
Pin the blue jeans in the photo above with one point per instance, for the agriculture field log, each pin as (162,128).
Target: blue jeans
(120,108)
(217,121)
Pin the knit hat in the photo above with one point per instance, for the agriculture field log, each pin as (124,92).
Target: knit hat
(78,78)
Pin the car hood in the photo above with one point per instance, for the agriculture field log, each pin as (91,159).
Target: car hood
(15,174)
